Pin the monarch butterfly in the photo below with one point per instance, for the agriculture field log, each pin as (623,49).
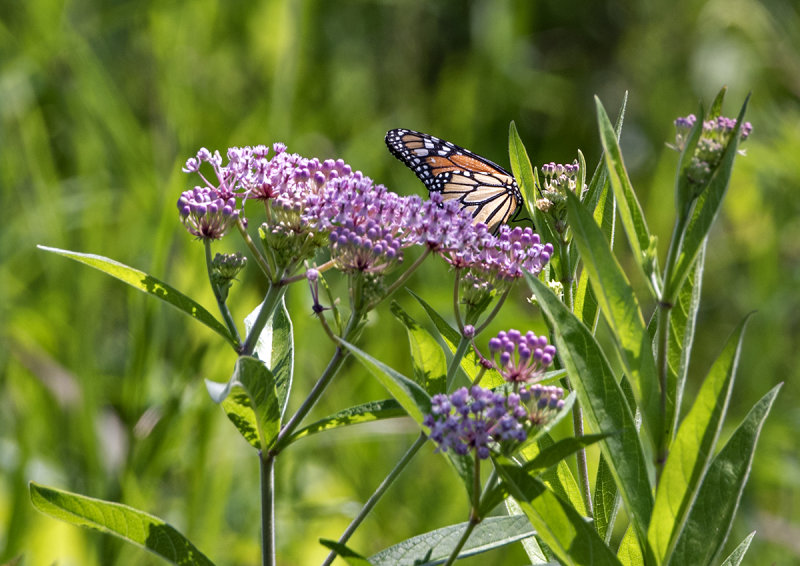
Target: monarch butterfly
(483,188)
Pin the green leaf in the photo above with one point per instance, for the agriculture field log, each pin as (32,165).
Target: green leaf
(705,211)
(367,412)
(604,406)
(735,557)
(629,553)
(469,363)
(436,546)
(684,188)
(150,285)
(427,357)
(275,348)
(692,450)
(606,500)
(250,400)
(127,523)
(568,535)
(526,179)
(535,553)
(682,321)
(711,515)
(630,211)
(551,454)
(350,556)
(621,309)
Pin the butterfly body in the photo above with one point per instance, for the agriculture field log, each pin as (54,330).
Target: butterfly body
(483,188)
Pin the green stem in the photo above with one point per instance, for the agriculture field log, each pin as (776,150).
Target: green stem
(257,255)
(382,488)
(494,312)
(403,278)
(474,516)
(455,363)
(271,301)
(223,307)
(267,508)
(338,358)
(583,467)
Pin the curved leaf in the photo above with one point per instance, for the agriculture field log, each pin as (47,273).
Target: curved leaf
(250,400)
(275,348)
(571,538)
(427,357)
(604,406)
(150,285)
(692,449)
(618,303)
(368,412)
(434,547)
(127,523)
(711,515)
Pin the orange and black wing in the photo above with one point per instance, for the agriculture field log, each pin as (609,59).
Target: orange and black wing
(486,190)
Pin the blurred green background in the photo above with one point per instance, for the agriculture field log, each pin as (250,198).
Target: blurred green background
(101,388)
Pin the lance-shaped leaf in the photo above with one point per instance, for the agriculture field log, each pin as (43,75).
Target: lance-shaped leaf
(735,557)
(350,556)
(630,211)
(427,357)
(526,179)
(604,406)
(568,535)
(706,208)
(470,363)
(148,284)
(692,450)
(621,310)
(606,500)
(548,457)
(436,546)
(711,514)
(251,402)
(275,348)
(129,524)
(365,413)
(682,320)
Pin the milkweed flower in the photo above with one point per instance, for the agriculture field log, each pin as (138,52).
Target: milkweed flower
(206,213)
(545,401)
(476,419)
(521,358)
(714,138)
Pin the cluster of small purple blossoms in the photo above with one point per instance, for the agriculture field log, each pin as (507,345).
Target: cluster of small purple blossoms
(521,358)
(493,262)
(713,140)
(545,401)
(206,213)
(367,247)
(475,419)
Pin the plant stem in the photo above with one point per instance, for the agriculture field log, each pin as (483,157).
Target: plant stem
(461,349)
(474,517)
(257,255)
(223,307)
(583,467)
(267,508)
(375,497)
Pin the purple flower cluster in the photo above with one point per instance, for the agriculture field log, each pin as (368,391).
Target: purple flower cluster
(206,213)
(521,358)
(313,202)
(545,401)
(714,138)
(366,247)
(474,419)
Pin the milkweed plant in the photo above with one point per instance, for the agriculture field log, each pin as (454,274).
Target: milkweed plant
(487,404)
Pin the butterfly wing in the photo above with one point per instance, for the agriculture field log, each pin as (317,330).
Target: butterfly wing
(486,190)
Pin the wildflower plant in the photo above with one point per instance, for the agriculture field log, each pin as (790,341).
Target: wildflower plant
(489,406)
